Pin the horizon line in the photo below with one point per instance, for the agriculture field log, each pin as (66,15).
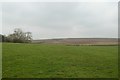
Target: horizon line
(81,38)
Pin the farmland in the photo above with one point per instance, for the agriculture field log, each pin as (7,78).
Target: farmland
(57,60)
(79,41)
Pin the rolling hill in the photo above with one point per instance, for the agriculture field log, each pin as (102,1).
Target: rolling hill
(80,41)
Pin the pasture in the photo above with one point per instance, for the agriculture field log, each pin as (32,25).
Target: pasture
(59,61)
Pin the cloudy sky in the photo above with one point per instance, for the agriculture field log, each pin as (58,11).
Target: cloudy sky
(61,19)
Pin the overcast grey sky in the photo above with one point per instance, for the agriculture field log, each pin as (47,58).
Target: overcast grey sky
(62,19)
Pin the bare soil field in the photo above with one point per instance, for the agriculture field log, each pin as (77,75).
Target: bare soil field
(80,41)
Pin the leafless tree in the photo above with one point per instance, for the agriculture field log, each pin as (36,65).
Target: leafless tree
(20,36)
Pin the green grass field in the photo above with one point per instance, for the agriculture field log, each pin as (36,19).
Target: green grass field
(56,61)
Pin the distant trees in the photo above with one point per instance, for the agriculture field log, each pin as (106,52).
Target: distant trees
(0,38)
(18,36)
(3,38)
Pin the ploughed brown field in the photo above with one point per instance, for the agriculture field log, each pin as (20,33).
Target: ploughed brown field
(80,41)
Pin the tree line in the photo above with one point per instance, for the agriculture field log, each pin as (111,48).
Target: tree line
(18,36)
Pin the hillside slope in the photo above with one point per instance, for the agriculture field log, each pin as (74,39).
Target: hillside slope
(80,41)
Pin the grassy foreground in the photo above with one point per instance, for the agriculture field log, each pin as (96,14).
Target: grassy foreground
(50,61)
